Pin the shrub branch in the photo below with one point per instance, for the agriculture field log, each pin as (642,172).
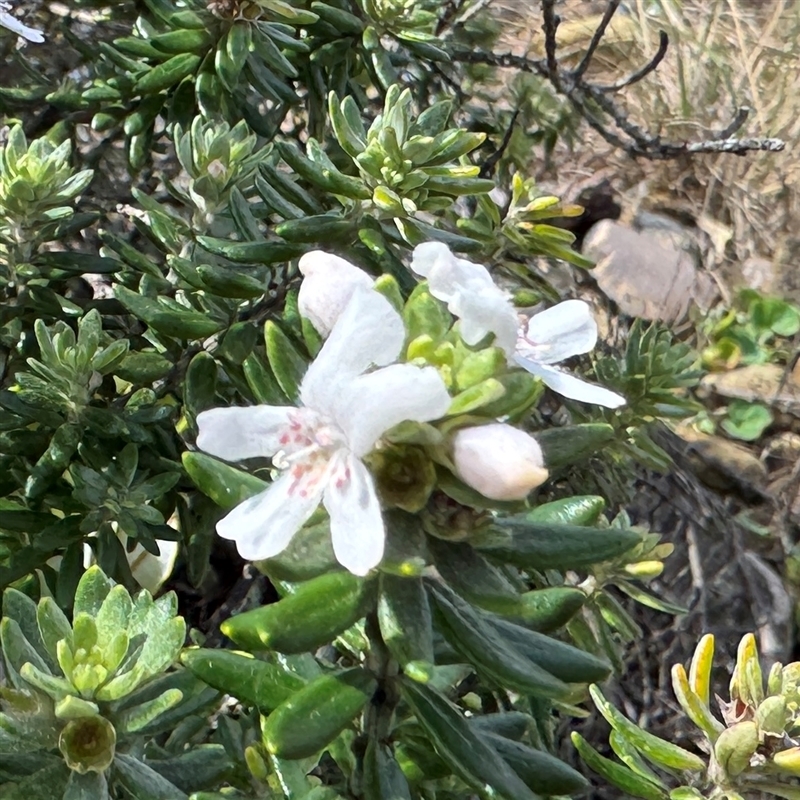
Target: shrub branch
(599,110)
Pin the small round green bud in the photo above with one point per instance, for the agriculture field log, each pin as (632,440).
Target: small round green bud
(735,747)
(255,763)
(771,716)
(404,476)
(88,744)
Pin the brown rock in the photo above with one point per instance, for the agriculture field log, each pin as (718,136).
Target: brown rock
(720,463)
(650,273)
(784,446)
(763,383)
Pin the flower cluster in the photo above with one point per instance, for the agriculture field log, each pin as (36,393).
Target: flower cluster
(534,343)
(320,446)
(366,381)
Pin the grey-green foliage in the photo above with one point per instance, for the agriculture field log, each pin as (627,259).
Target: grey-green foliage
(82,697)
(748,741)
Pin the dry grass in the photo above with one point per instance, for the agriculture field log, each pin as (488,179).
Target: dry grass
(723,54)
(727,54)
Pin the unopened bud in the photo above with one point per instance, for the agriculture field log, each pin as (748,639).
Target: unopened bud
(419,671)
(255,763)
(499,461)
(405,477)
(735,747)
(788,760)
(328,284)
(774,678)
(644,569)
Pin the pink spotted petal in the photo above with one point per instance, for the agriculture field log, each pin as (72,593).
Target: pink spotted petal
(357,529)
(264,525)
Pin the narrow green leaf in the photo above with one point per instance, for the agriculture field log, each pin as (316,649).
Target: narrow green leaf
(92,590)
(479,641)
(656,749)
(250,680)
(617,774)
(167,74)
(287,363)
(225,485)
(23,610)
(142,715)
(553,546)
(53,625)
(143,782)
(464,750)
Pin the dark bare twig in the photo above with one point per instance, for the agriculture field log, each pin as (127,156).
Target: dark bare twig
(580,70)
(790,366)
(742,113)
(455,86)
(600,111)
(487,168)
(450,11)
(521,63)
(550,27)
(650,66)
(621,120)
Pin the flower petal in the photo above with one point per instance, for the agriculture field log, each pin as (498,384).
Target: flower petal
(567,329)
(14,25)
(482,313)
(368,333)
(447,275)
(427,255)
(238,433)
(327,287)
(569,386)
(470,294)
(151,571)
(376,402)
(357,529)
(263,525)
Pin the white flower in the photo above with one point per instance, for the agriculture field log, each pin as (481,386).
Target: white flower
(470,294)
(567,329)
(320,445)
(328,285)
(13,24)
(499,461)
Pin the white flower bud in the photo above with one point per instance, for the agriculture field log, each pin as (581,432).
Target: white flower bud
(499,461)
(328,284)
